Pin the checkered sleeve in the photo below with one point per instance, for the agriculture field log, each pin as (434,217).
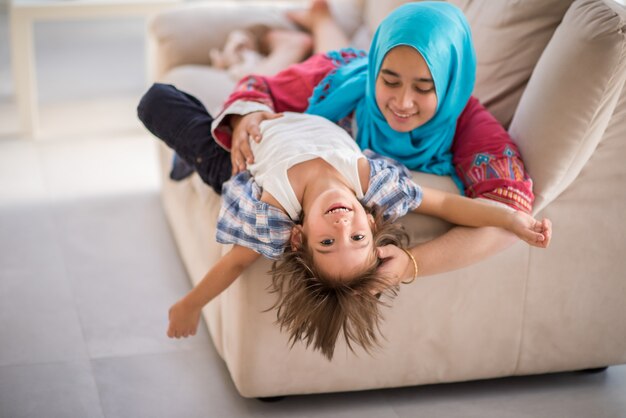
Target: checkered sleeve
(391,187)
(247,221)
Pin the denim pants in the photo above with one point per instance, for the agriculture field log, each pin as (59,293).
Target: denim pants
(183,123)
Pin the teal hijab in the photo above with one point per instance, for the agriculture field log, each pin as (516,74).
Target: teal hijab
(441,34)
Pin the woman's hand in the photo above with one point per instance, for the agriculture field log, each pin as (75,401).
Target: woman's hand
(244,128)
(530,230)
(396,266)
(184,320)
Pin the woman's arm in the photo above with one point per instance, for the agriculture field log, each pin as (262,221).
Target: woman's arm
(493,229)
(487,160)
(463,246)
(184,315)
(459,247)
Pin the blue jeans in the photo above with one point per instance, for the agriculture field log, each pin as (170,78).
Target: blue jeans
(183,123)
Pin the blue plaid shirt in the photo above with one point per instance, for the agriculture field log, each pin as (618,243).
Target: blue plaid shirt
(247,221)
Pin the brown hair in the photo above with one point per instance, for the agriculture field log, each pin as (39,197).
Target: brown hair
(315,308)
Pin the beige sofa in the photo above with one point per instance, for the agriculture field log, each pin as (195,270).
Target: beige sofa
(553,72)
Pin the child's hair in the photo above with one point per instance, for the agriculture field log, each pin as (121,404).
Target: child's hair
(315,308)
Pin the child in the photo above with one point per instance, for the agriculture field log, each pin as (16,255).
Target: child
(316,203)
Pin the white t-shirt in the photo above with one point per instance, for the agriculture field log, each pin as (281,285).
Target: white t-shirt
(317,138)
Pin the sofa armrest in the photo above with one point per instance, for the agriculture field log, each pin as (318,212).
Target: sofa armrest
(184,35)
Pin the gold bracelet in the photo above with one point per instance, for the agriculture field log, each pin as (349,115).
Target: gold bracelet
(414,266)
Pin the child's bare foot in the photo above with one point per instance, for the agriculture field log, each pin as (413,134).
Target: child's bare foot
(307,19)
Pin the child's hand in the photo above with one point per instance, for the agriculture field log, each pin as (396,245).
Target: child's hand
(183,320)
(530,230)
(244,128)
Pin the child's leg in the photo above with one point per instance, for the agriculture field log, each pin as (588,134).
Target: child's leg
(183,123)
(286,47)
(327,35)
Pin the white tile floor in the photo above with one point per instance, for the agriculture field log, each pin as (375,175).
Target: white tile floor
(88,268)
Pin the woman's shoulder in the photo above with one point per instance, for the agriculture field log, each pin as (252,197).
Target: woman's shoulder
(477,124)
(473,114)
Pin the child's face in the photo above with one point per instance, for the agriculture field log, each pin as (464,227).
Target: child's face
(339,234)
(405,90)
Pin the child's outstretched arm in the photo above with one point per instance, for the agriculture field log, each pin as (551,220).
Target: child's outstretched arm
(184,315)
(471,212)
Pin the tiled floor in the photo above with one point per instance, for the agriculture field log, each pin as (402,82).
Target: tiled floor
(88,269)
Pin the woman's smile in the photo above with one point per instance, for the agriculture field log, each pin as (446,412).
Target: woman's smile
(403,115)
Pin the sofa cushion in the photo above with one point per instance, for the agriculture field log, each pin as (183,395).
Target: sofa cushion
(571,96)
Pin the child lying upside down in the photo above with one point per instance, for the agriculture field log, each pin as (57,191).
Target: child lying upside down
(319,207)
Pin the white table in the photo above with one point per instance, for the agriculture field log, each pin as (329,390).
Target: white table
(23,15)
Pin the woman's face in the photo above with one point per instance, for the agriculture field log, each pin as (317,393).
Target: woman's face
(405,90)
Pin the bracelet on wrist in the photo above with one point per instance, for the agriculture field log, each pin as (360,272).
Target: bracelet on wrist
(415,270)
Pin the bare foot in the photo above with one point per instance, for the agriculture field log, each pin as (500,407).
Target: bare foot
(307,19)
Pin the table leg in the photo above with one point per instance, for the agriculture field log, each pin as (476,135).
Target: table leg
(24,76)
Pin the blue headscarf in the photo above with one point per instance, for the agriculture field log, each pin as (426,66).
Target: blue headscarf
(441,34)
